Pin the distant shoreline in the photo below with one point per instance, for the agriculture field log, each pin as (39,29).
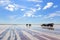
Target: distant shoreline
(24,24)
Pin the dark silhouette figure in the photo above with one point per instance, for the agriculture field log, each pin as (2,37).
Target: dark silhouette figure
(28,25)
(49,25)
(43,25)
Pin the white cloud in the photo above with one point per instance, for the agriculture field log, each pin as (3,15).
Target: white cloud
(4,2)
(37,5)
(28,13)
(31,12)
(33,9)
(38,8)
(36,16)
(22,9)
(55,6)
(11,7)
(50,4)
(40,15)
(35,0)
(53,15)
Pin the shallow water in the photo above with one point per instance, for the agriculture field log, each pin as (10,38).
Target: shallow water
(54,30)
(24,31)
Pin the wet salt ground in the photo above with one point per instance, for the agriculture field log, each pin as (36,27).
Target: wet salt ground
(55,31)
(24,36)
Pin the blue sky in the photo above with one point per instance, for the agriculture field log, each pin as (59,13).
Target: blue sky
(29,11)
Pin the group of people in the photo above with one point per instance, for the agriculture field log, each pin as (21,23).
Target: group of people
(48,26)
(28,25)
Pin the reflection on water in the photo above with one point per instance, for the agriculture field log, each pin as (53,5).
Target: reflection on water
(48,27)
(51,28)
(14,32)
(43,27)
(55,29)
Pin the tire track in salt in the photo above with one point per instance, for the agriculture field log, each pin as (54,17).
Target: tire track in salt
(3,33)
(29,35)
(6,36)
(47,35)
(36,35)
(21,35)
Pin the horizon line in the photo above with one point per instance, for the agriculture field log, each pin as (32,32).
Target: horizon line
(27,23)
